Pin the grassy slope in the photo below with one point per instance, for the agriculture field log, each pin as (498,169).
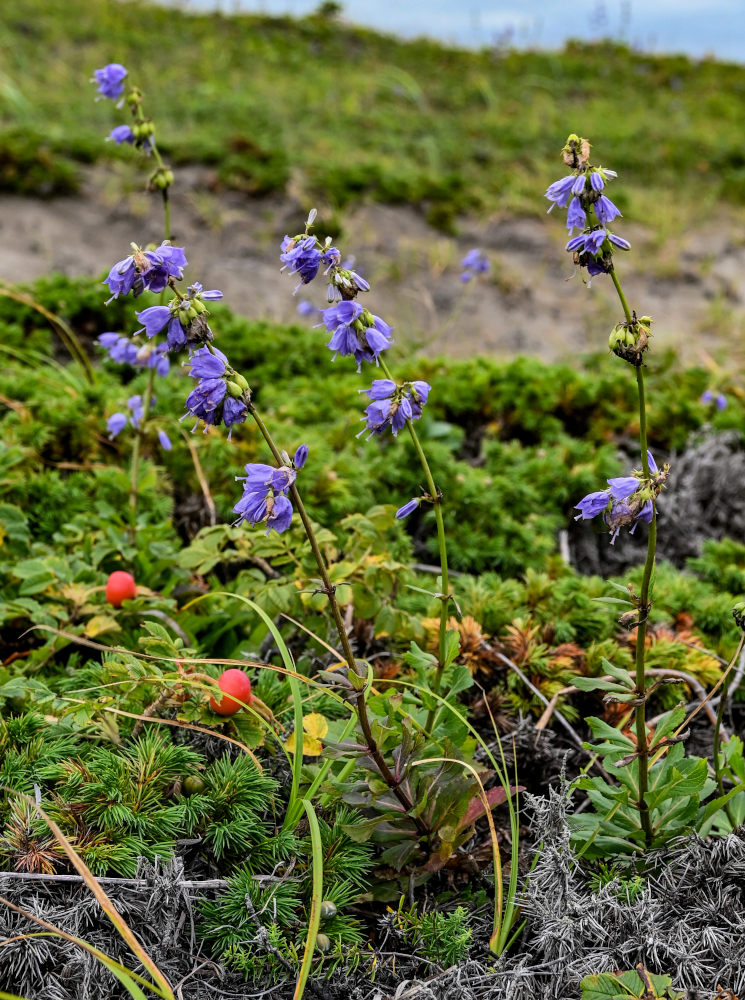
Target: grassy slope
(345,111)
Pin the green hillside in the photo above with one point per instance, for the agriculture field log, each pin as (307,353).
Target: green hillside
(344,113)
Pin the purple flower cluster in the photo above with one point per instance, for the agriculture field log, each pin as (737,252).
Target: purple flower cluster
(627,501)
(143,270)
(717,398)
(125,352)
(392,405)
(110,80)
(265,495)
(118,421)
(218,396)
(589,209)
(184,318)
(355,331)
(474,263)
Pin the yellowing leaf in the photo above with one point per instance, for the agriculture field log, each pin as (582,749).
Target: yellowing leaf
(99,624)
(315,728)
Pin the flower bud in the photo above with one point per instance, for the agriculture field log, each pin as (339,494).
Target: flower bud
(617,336)
(240,380)
(328,909)
(738,613)
(235,390)
(323,943)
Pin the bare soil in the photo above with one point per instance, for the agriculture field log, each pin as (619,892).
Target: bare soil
(530,302)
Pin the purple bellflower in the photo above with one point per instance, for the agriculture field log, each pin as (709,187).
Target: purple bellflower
(302,256)
(355,331)
(145,269)
(717,398)
(627,501)
(475,262)
(393,405)
(265,497)
(217,397)
(110,80)
(408,508)
(121,134)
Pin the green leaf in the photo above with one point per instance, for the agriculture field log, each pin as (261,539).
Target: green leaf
(598,684)
(452,647)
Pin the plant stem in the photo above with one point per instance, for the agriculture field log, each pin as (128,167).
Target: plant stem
(135,465)
(330,591)
(640,710)
(718,770)
(442,545)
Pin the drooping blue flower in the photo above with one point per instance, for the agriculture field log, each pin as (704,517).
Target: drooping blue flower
(393,405)
(165,441)
(302,257)
(306,308)
(154,318)
(136,409)
(627,501)
(576,215)
(264,497)
(110,80)
(146,269)
(301,456)
(717,398)
(356,332)
(120,349)
(605,210)
(408,508)
(122,133)
(206,363)
(116,424)
(560,192)
(205,398)
(476,261)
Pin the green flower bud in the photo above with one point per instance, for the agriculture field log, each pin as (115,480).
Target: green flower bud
(235,390)
(239,380)
(328,909)
(323,943)
(198,305)
(617,336)
(193,785)
(738,613)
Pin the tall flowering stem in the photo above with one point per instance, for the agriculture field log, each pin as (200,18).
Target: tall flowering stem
(330,591)
(445,596)
(642,742)
(629,499)
(134,468)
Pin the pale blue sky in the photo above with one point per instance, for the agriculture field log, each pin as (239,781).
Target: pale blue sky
(697,27)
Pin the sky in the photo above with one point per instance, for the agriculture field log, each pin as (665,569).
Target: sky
(696,27)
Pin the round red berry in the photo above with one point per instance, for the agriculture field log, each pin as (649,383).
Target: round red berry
(233,682)
(120,586)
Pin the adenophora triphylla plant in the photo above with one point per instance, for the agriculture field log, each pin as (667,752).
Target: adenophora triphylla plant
(358,333)
(113,83)
(628,499)
(155,269)
(222,396)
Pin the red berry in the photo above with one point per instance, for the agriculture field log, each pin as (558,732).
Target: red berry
(234,682)
(120,586)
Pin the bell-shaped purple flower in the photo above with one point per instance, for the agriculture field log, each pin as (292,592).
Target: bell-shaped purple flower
(301,456)
(264,497)
(204,399)
(302,257)
(165,441)
(560,191)
(116,424)
(206,363)
(576,215)
(592,505)
(121,134)
(153,319)
(408,508)
(605,210)
(110,80)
